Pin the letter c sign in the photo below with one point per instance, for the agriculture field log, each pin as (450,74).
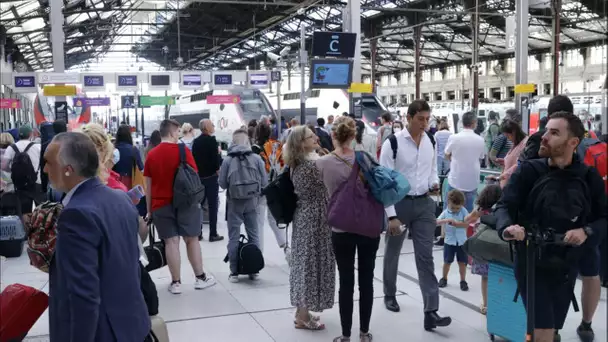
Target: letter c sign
(334,45)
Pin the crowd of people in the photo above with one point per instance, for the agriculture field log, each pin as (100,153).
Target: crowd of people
(97,273)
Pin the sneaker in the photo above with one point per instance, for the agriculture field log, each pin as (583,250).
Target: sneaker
(233,278)
(175,287)
(366,337)
(200,284)
(214,238)
(464,286)
(443,282)
(585,332)
(254,276)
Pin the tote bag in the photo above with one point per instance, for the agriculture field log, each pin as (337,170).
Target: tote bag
(137,174)
(352,207)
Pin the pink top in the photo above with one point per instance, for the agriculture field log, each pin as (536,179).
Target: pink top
(511,161)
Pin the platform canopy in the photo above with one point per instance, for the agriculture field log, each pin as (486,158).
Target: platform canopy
(235,34)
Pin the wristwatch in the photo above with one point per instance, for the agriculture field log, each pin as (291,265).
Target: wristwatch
(588,231)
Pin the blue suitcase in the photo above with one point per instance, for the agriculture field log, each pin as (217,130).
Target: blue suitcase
(505,318)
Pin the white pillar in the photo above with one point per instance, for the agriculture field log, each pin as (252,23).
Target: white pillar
(521,57)
(57,38)
(354,26)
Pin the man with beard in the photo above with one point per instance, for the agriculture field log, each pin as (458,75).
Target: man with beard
(560,193)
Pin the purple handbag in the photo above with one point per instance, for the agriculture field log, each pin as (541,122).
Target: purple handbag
(352,207)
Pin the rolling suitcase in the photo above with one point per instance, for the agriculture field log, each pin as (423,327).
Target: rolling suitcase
(20,308)
(505,318)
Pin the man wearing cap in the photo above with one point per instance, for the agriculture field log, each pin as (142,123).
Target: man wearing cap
(26,142)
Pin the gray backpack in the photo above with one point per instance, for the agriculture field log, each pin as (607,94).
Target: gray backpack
(187,187)
(244,178)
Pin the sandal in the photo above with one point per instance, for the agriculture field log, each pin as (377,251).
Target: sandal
(342,339)
(309,325)
(483,310)
(310,317)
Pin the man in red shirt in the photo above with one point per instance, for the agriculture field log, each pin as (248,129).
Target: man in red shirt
(159,171)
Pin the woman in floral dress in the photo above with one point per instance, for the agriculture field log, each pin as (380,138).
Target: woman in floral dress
(312,269)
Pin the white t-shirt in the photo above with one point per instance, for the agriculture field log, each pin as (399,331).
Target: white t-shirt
(466,148)
(33,152)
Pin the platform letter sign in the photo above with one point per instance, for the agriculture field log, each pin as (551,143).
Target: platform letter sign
(275,76)
(222,79)
(333,44)
(127,101)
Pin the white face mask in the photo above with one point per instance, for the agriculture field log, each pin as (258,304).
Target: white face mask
(397,129)
(115,156)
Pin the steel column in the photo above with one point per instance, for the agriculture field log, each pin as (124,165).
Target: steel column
(303,62)
(521,59)
(555,9)
(475,59)
(417,52)
(57,38)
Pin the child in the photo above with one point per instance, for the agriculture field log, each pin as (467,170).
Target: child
(455,236)
(486,200)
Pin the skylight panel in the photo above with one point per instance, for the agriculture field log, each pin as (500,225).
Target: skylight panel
(33,24)
(28,8)
(369,13)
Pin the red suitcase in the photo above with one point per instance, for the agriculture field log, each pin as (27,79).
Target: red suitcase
(20,308)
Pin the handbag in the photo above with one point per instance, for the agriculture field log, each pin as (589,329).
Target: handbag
(137,176)
(387,185)
(352,207)
(155,251)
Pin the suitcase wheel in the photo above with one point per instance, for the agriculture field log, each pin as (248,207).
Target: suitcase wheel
(492,337)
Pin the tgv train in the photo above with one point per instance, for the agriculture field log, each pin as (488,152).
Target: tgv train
(227,118)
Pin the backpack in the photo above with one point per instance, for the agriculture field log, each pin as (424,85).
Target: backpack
(42,235)
(23,174)
(387,185)
(251,260)
(281,198)
(272,155)
(244,178)
(394,145)
(594,153)
(187,187)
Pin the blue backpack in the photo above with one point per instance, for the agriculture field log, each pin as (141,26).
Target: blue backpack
(387,185)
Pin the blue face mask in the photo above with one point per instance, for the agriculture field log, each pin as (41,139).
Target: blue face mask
(116,156)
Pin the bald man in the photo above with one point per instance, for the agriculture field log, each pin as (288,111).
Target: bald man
(208,160)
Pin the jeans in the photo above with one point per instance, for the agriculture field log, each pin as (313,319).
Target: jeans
(469,199)
(236,217)
(212,190)
(345,245)
(443,166)
(264,214)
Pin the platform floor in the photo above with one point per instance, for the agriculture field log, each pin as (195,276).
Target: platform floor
(260,311)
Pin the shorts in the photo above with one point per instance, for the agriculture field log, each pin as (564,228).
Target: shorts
(450,251)
(589,263)
(552,298)
(170,223)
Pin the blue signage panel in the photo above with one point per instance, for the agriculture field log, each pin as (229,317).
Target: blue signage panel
(334,44)
(25,81)
(192,80)
(91,101)
(93,81)
(222,79)
(127,80)
(258,79)
(127,101)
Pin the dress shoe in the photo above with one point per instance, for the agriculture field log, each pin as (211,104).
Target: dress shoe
(391,303)
(432,320)
(215,238)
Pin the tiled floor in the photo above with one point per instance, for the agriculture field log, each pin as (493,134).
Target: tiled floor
(260,311)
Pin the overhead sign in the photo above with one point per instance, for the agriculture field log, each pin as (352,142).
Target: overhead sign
(223,99)
(24,81)
(147,101)
(362,88)
(61,110)
(91,101)
(258,80)
(58,77)
(160,80)
(93,81)
(525,88)
(127,101)
(126,81)
(193,80)
(59,90)
(510,33)
(334,44)
(10,104)
(275,76)
(222,79)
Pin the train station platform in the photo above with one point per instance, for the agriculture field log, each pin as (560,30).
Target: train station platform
(260,311)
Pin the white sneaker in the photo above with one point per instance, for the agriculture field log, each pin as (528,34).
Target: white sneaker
(233,278)
(200,284)
(175,288)
(287,251)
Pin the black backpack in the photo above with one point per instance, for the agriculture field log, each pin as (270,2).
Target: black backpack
(281,198)
(251,260)
(23,174)
(187,187)
(394,145)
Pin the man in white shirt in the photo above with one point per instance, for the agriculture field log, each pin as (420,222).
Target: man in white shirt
(465,150)
(415,158)
(26,137)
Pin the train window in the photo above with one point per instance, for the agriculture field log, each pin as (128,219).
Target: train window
(200,96)
(315,93)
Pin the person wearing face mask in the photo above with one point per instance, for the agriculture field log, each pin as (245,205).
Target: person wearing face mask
(159,172)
